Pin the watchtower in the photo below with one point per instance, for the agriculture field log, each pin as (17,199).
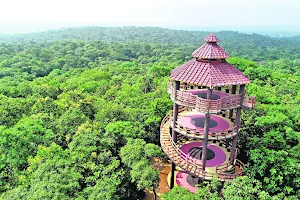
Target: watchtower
(200,135)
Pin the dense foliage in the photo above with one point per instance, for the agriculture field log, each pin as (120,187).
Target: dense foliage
(80,111)
(251,46)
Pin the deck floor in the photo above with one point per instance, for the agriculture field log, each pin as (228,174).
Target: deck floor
(195,120)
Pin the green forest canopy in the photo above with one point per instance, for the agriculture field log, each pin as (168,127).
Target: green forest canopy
(75,103)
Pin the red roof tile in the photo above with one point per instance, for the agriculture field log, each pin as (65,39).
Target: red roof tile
(211,38)
(211,74)
(210,51)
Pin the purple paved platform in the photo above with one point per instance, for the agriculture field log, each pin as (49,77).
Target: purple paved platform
(185,121)
(220,155)
(181,180)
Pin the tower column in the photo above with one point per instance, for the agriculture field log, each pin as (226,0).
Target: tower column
(233,91)
(174,134)
(237,123)
(206,129)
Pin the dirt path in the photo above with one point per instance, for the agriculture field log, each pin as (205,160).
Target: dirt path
(163,168)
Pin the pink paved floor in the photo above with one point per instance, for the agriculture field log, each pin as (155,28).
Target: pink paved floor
(186,122)
(220,155)
(220,158)
(182,182)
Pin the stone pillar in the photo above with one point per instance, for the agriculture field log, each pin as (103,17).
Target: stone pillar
(206,129)
(237,123)
(174,134)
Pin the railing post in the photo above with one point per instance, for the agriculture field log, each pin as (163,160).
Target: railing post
(227,143)
(206,129)
(237,123)
(174,134)
(184,86)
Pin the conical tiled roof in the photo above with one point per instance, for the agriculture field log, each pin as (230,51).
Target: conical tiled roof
(210,50)
(209,67)
(210,74)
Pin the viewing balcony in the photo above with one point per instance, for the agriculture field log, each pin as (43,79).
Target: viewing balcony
(196,99)
(191,124)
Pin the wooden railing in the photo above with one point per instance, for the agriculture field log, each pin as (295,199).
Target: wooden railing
(188,163)
(230,101)
(170,147)
(188,99)
(208,106)
(249,101)
(185,98)
(218,134)
(164,121)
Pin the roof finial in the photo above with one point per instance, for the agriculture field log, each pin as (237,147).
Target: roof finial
(211,38)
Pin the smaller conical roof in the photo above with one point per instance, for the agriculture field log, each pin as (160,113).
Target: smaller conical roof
(211,38)
(210,50)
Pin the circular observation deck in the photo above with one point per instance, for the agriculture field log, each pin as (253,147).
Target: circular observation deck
(187,156)
(220,101)
(191,124)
